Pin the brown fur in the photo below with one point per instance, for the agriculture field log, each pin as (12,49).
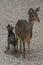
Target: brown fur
(23,29)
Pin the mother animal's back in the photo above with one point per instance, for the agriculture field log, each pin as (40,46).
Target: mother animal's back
(21,28)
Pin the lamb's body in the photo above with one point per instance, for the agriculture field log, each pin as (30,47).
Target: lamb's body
(11,38)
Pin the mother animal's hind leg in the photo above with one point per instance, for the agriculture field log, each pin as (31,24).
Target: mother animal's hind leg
(20,46)
(28,44)
(24,49)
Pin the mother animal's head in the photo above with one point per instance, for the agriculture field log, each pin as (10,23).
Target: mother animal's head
(34,14)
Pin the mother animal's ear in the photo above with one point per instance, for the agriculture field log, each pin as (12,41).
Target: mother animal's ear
(30,11)
(37,9)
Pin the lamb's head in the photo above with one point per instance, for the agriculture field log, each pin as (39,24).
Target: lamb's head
(10,27)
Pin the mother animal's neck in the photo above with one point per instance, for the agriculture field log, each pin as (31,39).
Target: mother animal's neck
(30,25)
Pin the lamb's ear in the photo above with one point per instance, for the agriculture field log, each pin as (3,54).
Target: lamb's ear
(37,9)
(12,27)
(8,26)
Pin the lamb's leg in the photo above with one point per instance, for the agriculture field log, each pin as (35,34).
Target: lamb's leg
(16,45)
(7,48)
(15,50)
(24,49)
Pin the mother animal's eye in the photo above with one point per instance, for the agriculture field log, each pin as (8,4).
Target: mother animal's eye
(32,15)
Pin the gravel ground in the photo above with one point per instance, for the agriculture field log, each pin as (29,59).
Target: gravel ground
(10,12)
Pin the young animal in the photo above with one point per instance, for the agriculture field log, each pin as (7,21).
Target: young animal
(11,37)
(23,29)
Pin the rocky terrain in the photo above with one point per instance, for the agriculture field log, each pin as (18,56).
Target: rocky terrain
(10,12)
